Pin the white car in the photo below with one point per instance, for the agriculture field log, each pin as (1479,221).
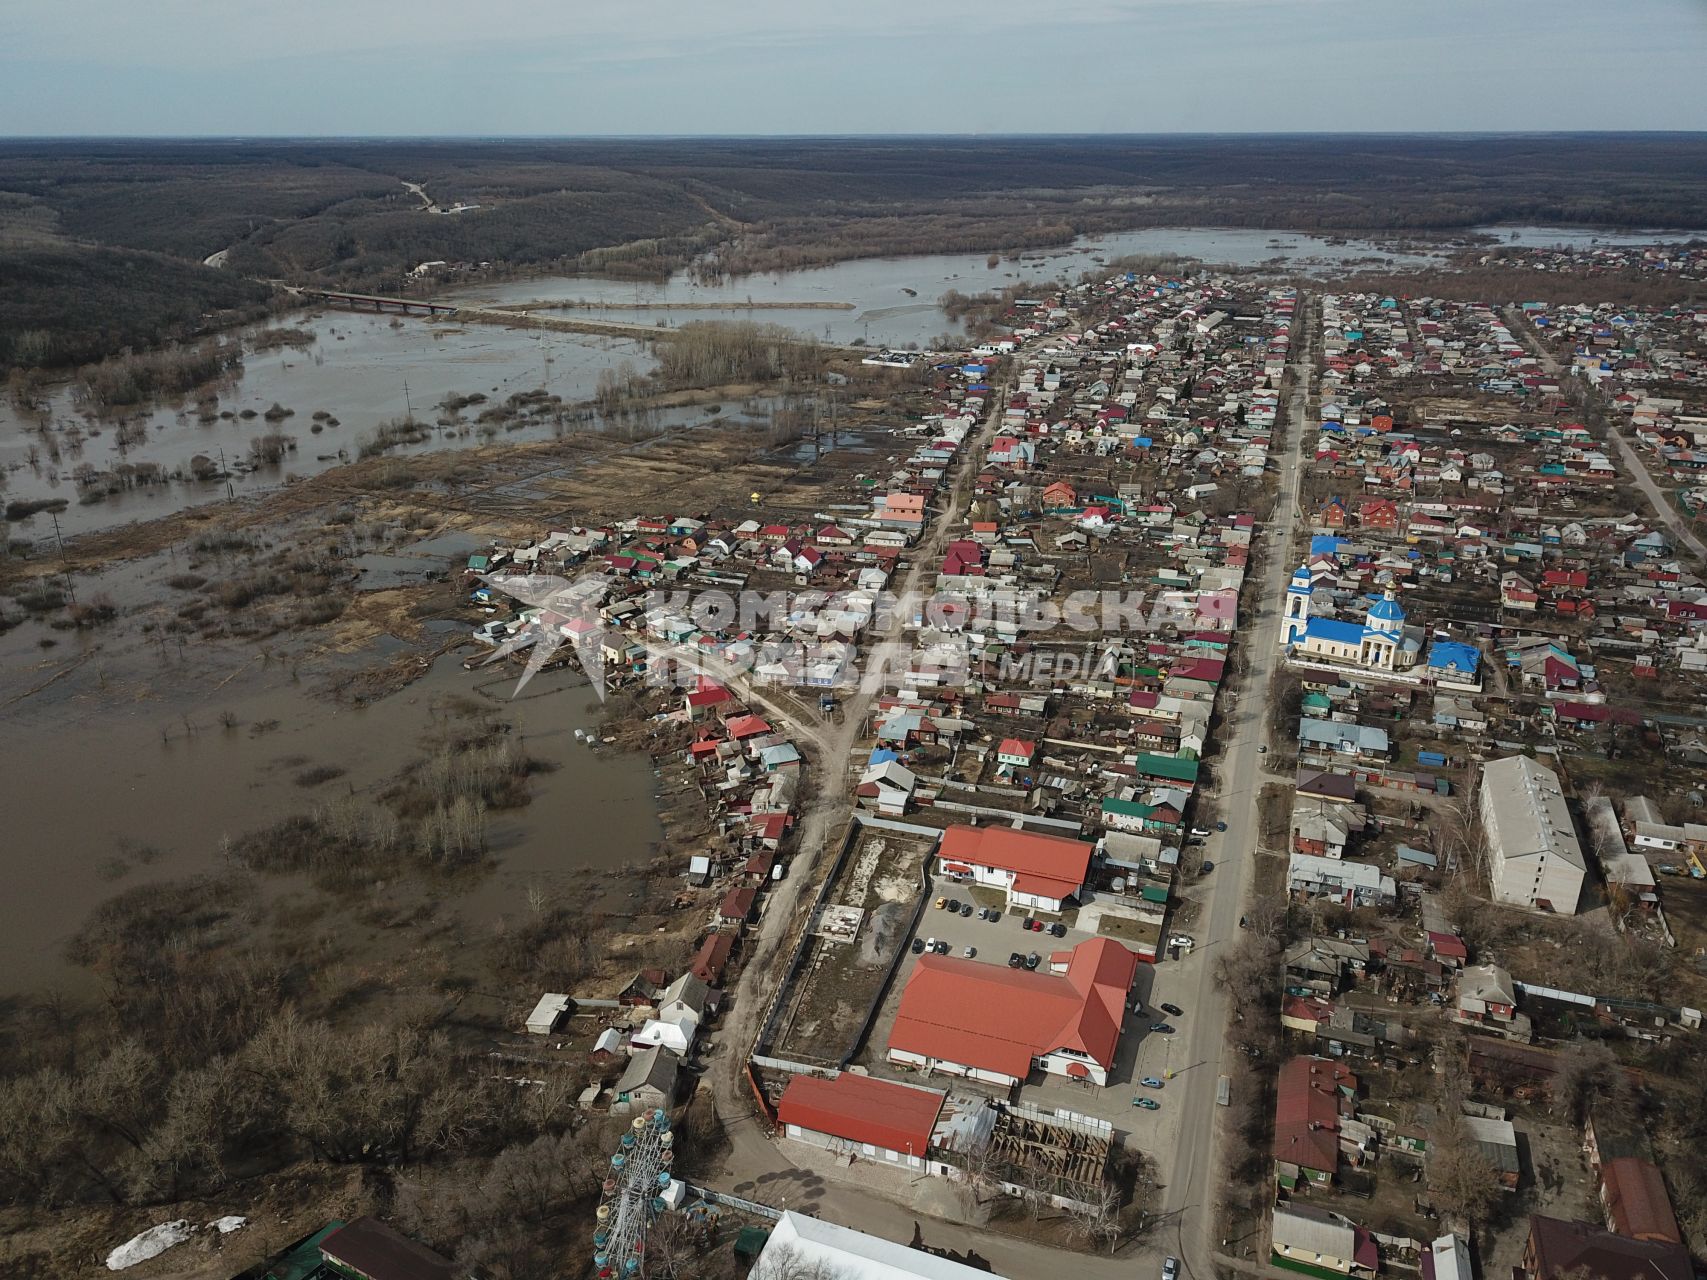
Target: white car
(1170,1269)
(1180,940)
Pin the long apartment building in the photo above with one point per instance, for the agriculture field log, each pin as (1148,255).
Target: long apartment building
(1534,857)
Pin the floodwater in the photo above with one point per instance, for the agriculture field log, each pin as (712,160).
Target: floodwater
(96,767)
(1580,238)
(362,369)
(883,311)
(893,302)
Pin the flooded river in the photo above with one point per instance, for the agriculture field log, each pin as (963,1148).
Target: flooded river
(108,782)
(363,370)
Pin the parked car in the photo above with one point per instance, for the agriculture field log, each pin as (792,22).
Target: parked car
(1150,1082)
(1170,1269)
(1206,868)
(969,953)
(1161,1028)
(942,947)
(1244,922)
(1220,826)
(1180,940)
(1015,960)
(1200,832)
(953,906)
(966,909)
(918,946)
(1057,930)
(930,944)
(1262,750)
(1149,1104)
(1033,960)
(941,903)
(1173,1009)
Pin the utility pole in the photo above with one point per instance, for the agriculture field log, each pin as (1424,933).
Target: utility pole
(408,408)
(64,566)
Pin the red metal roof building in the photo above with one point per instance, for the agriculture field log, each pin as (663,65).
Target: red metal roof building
(993,1023)
(1307,1119)
(891,1120)
(1637,1205)
(1036,870)
(1558,1248)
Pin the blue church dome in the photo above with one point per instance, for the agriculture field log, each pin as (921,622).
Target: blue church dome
(1386,615)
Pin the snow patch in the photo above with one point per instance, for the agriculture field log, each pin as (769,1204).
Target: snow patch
(150,1244)
(226,1225)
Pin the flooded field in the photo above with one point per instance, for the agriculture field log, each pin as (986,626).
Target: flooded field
(111,780)
(361,370)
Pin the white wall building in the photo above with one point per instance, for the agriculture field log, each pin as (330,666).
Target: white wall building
(1534,857)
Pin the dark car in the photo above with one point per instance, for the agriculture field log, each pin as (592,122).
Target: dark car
(1173,1009)
(953,906)
(918,946)
(966,910)
(1220,826)
(1206,868)
(1161,1028)
(1033,960)
(941,947)
(1057,930)
(1015,960)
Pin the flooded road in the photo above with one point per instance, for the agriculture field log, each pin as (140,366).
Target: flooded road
(139,781)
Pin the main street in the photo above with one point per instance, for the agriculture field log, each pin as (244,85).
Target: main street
(1191,1175)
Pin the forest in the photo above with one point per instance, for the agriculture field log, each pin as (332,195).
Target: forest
(102,242)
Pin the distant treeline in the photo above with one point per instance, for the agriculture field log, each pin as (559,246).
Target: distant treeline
(70,305)
(336,212)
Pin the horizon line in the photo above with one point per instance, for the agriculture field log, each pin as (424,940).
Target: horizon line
(1437,134)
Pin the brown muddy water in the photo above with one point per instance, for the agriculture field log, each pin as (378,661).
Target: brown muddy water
(110,780)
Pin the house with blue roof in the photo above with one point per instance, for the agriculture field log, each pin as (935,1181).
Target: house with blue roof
(1454,664)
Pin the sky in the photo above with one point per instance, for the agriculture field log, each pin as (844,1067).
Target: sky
(601,67)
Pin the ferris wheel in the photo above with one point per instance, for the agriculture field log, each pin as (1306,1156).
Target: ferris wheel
(633,1196)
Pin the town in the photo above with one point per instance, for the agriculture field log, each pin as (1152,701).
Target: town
(1308,919)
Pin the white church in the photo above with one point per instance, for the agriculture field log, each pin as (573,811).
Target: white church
(1382,642)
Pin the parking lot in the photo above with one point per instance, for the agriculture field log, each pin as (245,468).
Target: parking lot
(1142,1053)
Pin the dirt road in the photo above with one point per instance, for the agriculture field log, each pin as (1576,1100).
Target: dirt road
(1662,506)
(825,814)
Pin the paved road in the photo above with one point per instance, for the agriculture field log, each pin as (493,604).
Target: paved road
(1662,504)
(1192,1177)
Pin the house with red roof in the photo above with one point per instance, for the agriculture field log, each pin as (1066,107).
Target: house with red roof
(853,1114)
(1307,1120)
(992,1023)
(1016,753)
(1037,871)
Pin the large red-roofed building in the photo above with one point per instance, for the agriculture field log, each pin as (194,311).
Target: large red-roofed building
(854,1113)
(1037,871)
(992,1023)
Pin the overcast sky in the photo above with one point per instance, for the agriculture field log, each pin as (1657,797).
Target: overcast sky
(577,67)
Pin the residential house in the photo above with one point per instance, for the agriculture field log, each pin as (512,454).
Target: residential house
(1316,1241)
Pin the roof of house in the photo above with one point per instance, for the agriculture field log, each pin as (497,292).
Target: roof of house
(655,1066)
(896,1117)
(369,1247)
(1307,1112)
(1056,863)
(810,1246)
(1561,1248)
(1637,1202)
(999,1019)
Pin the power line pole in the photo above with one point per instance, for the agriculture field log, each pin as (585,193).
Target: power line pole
(64,566)
(408,408)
